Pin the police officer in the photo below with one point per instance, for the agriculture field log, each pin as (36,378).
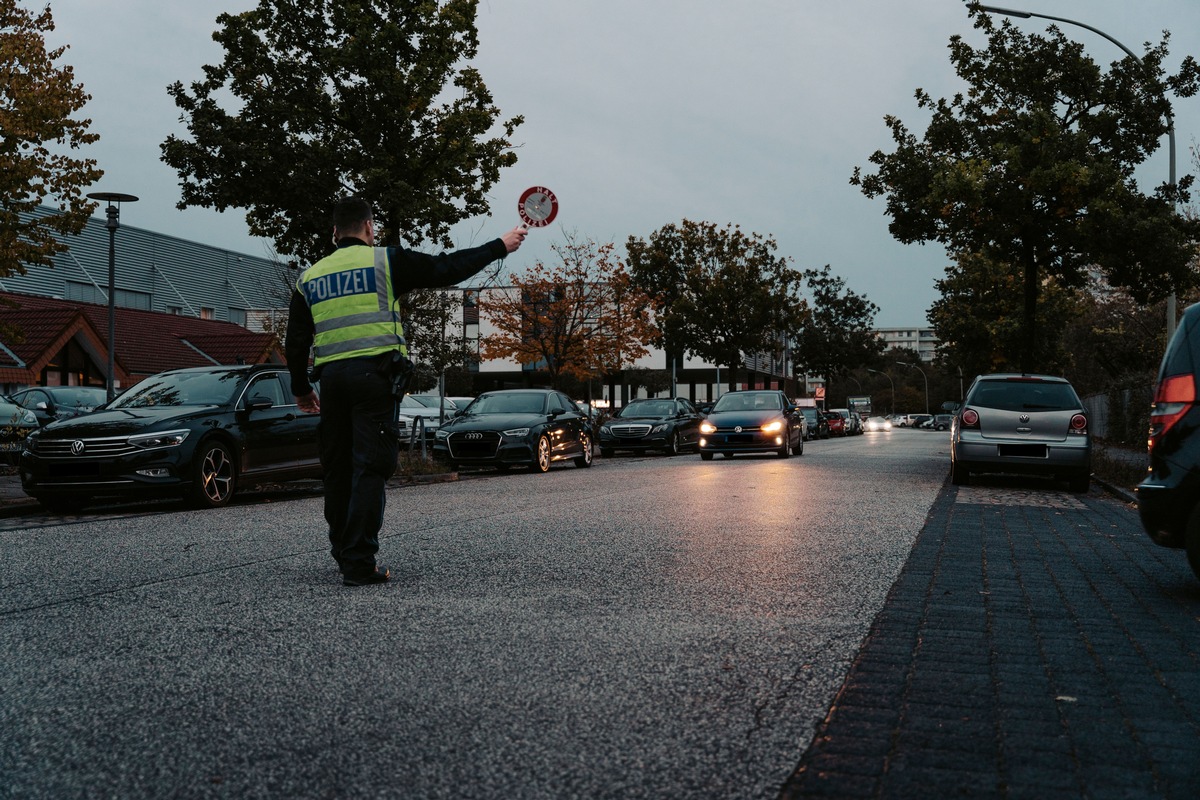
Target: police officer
(344,309)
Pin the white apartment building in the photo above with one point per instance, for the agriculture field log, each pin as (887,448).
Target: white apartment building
(923,340)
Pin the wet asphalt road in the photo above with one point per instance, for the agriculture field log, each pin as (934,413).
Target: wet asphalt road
(649,627)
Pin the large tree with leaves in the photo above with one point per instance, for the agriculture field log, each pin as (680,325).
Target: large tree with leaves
(836,336)
(718,293)
(37,129)
(333,98)
(1033,166)
(580,316)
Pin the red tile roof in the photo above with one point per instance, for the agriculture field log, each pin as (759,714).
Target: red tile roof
(148,342)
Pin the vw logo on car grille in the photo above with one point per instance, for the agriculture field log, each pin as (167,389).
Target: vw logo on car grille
(738,429)
(474,435)
(1024,418)
(76,447)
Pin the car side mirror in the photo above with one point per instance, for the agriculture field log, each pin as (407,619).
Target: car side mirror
(258,403)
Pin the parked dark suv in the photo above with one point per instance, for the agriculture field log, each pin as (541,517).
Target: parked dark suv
(1167,498)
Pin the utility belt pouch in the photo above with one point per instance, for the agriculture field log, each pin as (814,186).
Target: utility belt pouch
(397,368)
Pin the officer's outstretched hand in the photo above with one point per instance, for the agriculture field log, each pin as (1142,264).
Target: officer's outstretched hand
(512,240)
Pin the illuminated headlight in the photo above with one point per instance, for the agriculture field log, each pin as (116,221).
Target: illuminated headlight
(517,433)
(707,427)
(773,427)
(660,427)
(150,441)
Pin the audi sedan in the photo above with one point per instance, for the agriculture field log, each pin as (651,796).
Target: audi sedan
(533,428)
(198,433)
(752,421)
(671,426)
(1024,424)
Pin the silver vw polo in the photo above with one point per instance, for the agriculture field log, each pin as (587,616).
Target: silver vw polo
(1024,424)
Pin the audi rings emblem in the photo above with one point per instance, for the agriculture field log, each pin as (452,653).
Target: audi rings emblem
(738,429)
(77,447)
(1024,418)
(474,435)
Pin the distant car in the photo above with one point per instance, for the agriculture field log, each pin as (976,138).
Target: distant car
(431,409)
(818,426)
(53,403)
(669,425)
(853,424)
(1025,424)
(16,422)
(940,422)
(836,423)
(199,433)
(752,421)
(878,424)
(533,428)
(917,420)
(1169,495)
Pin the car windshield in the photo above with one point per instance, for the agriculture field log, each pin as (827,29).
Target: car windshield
(648,408)
(79,396)
(1024,395)
(208,388)
(430,401)
(748,401)
(514,403)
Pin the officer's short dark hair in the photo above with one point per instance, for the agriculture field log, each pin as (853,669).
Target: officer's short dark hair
(351,213)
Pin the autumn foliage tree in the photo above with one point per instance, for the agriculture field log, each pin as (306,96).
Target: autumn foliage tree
(37,102)
(580,316)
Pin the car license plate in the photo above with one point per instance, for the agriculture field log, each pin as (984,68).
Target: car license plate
(1023,450)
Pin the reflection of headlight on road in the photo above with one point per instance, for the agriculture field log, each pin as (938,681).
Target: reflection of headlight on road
(772,427)
(707,427)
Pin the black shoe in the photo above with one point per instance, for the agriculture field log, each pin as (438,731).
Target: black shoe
(380,575)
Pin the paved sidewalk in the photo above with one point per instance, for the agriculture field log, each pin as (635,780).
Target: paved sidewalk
(1036,644)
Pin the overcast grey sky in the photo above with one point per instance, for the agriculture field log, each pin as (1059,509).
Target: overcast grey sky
(640,113)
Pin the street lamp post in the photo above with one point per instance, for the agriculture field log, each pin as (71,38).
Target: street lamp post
(918,369)
(892,408)
(113,221)
(1008,12)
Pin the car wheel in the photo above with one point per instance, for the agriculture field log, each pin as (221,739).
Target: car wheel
(214,479)
(786,450)
(606,452)
(1192,540)
(959,475)
(585,460)
(705,456)
(541,458)
(673,448)
(798,450)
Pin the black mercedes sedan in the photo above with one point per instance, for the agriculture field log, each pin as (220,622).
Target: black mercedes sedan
(516,427)
(669,425)
(752,421)
(199,433)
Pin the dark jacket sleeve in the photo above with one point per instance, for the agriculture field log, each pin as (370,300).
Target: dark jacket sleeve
(300,333)
(413,270)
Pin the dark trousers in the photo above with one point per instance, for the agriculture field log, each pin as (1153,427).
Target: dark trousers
(359,444)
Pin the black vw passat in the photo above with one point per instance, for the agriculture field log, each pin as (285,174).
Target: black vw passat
(652,424)
(516,427)
(752,421)
(199,433)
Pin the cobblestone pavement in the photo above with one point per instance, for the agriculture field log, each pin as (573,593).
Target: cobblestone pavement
(1037,644)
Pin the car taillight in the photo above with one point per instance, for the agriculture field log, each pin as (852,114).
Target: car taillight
(1079,424)
(970,418)
(1174,398)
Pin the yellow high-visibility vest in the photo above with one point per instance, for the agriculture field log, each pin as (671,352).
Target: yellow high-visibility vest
(353,306)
